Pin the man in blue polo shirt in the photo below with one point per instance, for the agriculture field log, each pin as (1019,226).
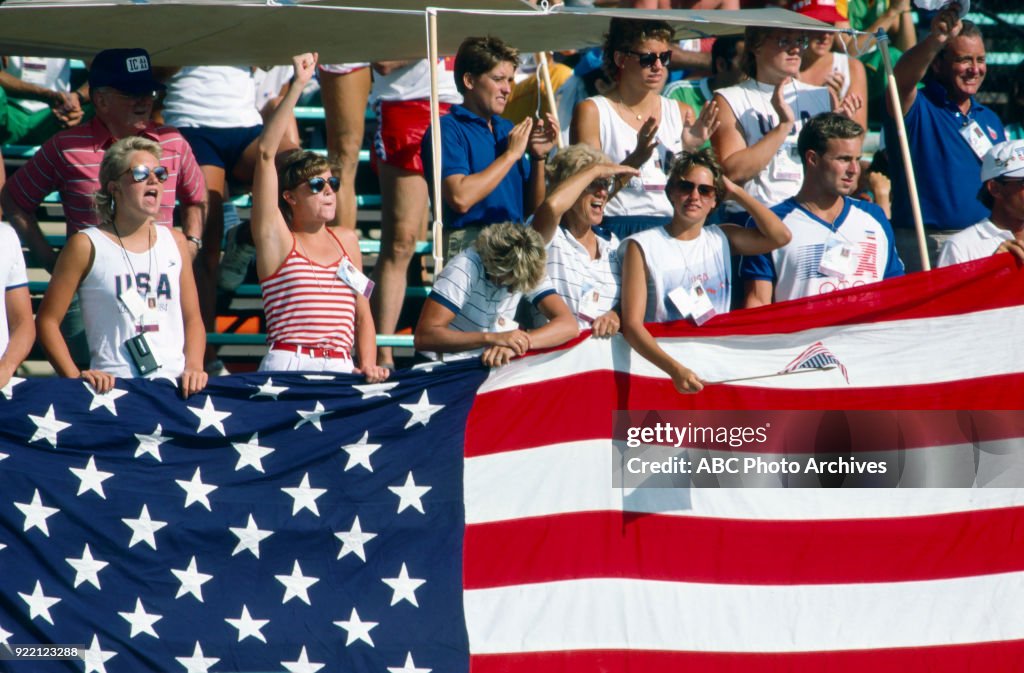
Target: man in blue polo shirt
(948,130)
(486,176)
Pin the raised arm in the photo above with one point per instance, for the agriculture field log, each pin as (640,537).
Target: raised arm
(914,64)
(771,232)
(269,229)
(740,161)
(561,199)
(634,306)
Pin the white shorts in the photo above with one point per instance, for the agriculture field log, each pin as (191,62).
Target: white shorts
(343,68)
(286,361)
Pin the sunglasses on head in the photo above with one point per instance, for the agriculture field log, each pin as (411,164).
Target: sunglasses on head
(687,187)
(316,185)
(647,59)
(600,184)
(141,173)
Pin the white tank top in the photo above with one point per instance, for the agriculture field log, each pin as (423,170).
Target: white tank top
(673,263)
(751,103)
(156,275)
(643,195)
(220,97)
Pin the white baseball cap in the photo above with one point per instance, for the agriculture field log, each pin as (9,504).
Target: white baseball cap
(1005,160)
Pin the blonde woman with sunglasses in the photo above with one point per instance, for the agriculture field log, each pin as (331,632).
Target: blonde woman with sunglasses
(636,126)
(315,296)
(134,280)
(683,270)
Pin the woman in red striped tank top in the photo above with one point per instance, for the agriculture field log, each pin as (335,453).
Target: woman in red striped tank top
(314,293)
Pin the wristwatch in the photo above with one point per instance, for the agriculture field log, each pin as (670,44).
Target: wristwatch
(195,239)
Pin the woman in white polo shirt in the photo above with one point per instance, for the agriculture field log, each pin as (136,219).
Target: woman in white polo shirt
(472,306)
(583,261)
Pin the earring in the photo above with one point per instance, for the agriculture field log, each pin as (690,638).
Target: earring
(113,205)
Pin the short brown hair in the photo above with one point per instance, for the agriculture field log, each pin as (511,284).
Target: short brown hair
(687,161)
(295,168)
(822,128)
(478,55)
(624,34)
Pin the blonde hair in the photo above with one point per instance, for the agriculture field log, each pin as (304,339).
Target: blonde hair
(512,255)
(571,160)
(116,161)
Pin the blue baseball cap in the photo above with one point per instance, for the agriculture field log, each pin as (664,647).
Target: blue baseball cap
(127,70)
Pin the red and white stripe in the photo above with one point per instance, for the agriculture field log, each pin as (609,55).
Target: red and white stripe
(565,573)
(307,304)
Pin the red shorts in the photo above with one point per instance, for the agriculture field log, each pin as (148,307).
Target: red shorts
(400,128)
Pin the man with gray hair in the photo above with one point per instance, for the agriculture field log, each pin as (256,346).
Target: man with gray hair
(948,132)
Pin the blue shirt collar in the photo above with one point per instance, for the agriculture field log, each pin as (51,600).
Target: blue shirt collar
(938,95)
(466,114)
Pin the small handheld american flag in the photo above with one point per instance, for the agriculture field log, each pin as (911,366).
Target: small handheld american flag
(816,356)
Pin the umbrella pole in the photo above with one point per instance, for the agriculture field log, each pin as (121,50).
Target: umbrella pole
(549,92)
(901,133)
(435,142)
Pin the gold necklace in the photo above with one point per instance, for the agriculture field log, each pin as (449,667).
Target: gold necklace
(622,103)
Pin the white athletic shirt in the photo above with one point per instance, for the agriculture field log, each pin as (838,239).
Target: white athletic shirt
(464,288)
(220,97)
(12,275)
(673,263)
(49,73)
(795,267)
(643,195)
(974,242)
(751,103)
(412,82)
(571,270)
(156,275)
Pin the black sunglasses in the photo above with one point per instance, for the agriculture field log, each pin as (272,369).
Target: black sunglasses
(599,184)
(141,173)
(316,185)
(647,59)
(687,187)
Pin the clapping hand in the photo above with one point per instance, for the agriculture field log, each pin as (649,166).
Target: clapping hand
(698,133)
(543,136)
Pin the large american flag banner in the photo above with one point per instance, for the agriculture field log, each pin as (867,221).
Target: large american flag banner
(455,520)
(270,523)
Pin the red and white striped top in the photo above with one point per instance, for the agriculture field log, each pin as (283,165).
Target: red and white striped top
(308,305)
